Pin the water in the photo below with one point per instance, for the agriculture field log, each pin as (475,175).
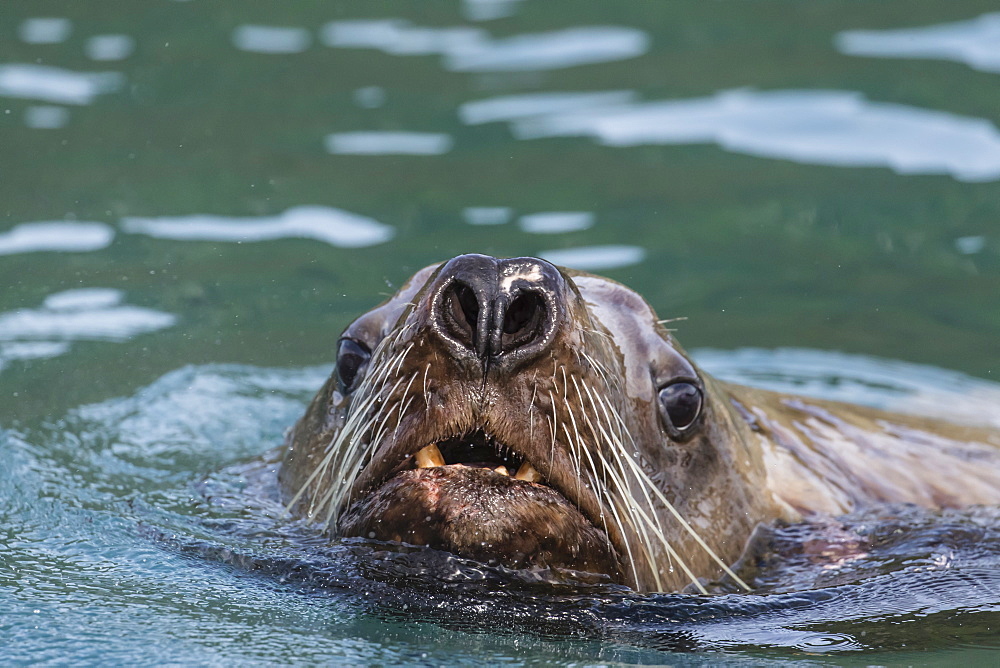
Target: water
(197,197)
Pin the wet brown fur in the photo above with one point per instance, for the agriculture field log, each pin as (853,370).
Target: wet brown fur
(585,415)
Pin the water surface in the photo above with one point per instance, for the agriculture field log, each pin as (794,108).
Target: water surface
(197,197)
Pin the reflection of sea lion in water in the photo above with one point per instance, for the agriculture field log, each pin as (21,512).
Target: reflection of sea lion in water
(510,412)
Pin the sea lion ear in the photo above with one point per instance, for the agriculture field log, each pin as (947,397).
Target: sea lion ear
(681,402)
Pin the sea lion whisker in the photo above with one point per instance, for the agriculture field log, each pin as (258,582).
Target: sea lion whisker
(612,507)
(617,447)
(554,428)
(618,450)
(358,453)
(677,515)
(320,469)
(344,495)
(317,503)
(612,504)
(531,408)
(599,368)
(351,453)
(402,356)
(579,442)
(335,452)
(586,417)
(598,332)
(621,480)
(575,457)
(687,527)
(625,488)
(675,556)
(427,396)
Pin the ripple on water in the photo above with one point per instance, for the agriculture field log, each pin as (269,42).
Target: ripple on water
(822,127)
(64,236)
(466,49)
(84,314)
(54,84)
(975,43)
(153,516)
(44,30)
(595,258)
(333,226)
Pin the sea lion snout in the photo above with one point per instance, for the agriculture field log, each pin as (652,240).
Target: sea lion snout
(498,312)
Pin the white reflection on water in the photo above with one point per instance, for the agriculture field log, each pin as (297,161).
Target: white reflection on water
(467,49)
(67,236)
(87,314)
(888,384)
(487,215)
(44,30)
(839,128)
(333,226)
(549,51)
(46,117)
(369,97)
(595,258)
(271,39)
(975,43)
(83,299)
(388,143)
(513,107)
(31,350)
(109,47)
(53,84)
(970,245)
(398,37)
(556,222)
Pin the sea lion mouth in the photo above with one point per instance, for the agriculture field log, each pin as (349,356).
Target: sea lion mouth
(478,450)
(475,496)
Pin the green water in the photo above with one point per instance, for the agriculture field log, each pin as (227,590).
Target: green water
(755,238)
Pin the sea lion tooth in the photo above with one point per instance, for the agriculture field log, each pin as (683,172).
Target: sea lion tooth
(502,470)
(528,473)
(429,457)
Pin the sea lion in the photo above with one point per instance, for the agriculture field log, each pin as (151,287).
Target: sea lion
(513,412)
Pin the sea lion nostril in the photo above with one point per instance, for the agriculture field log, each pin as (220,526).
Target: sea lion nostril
(522,322)
(522,312)
(469,304)
(461,311)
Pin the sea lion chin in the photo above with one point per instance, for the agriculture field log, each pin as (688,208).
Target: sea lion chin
(512,412)
(482,515)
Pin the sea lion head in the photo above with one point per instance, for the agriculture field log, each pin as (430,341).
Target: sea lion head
(513,412)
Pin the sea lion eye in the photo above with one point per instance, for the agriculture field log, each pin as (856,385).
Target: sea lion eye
(680,403)
(352,358)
